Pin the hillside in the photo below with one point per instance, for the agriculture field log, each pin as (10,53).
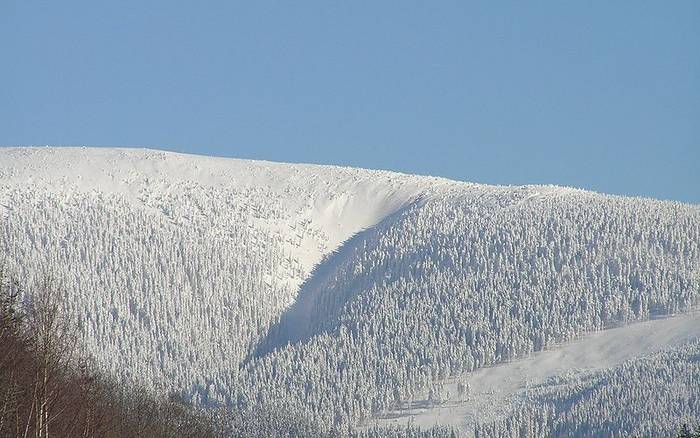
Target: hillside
(342,292)
(468,280)
(178,257)
(496,395)
(648,396)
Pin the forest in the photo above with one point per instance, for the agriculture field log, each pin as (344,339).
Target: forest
(226,294)
(449,288)
(49,388)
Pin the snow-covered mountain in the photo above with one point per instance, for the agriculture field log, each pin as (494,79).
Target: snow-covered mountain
(177,257)
(346,292)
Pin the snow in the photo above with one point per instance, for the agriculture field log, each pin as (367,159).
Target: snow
(177,266)
(337,201)
(493,391)
(153,240)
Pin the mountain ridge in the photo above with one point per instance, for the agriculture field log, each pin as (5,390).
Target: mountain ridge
(342,291)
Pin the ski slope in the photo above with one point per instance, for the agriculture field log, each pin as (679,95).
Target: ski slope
(494,391)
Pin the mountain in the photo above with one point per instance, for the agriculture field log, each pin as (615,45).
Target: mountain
(343,293)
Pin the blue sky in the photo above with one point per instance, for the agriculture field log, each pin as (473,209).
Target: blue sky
(600,95)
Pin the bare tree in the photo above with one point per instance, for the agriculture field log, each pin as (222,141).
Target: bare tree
(48,390)
(53,340)
(12,352)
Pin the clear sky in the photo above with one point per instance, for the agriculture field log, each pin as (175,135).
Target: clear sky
(603,95)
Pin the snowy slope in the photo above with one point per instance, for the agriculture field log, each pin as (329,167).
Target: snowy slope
(347,292)
(646,396)
(476,277)
(494,392)
(332,202)
(174,256)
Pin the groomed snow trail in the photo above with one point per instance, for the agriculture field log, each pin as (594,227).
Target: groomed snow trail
(493,390)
